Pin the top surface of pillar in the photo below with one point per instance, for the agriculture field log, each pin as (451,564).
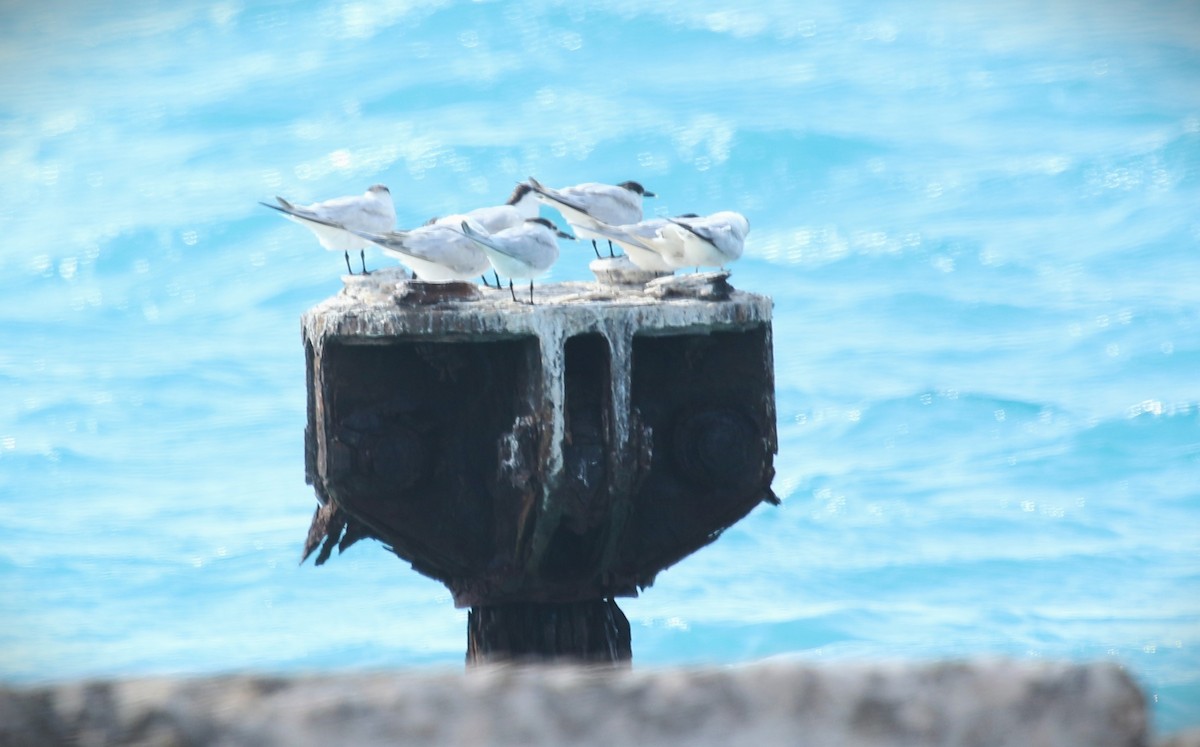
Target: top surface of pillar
(386,304)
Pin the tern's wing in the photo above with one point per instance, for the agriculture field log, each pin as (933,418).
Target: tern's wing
(438,244)
(605,202)
(511,242)
(447,247)
(557,196)
(354,211)
(622,233)
(703,232)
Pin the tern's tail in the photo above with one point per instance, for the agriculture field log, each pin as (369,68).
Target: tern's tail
(479,237)
(303,215)
(276,207)
(289,209)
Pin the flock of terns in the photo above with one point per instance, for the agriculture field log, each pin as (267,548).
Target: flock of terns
(512,240)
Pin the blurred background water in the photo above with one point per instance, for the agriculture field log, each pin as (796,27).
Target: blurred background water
(980,224)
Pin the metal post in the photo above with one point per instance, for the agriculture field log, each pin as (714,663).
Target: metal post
(540,460)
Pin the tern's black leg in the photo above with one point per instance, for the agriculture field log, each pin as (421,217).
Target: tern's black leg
(348,269)
(510,289)
(610,250)
(531,293)
(594,249)
(362,256)
(485,281)
(497,278)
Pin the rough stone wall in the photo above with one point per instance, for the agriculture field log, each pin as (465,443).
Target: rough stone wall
(976,704)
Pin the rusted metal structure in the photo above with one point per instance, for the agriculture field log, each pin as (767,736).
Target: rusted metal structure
(539,460)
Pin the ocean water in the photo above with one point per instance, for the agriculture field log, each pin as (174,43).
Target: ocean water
(980,224)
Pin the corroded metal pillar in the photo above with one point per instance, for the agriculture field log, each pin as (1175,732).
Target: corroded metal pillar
(539,460)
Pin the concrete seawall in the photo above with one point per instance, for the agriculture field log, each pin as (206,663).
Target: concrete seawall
(983,703)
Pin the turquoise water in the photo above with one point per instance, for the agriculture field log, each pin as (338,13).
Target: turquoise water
(980,224)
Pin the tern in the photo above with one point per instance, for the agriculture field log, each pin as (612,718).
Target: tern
(585,205)
(435,251)
(520,207)
(522,252)
(647,245)
(710,241)
(334,221)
